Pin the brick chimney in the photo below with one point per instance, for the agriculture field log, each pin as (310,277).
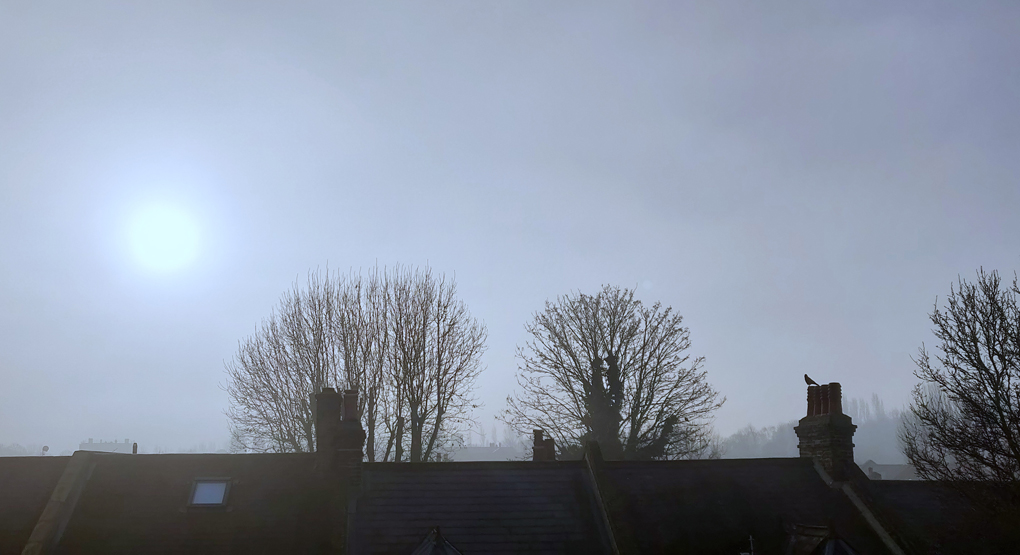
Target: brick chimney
(327,419)
(826,434)
(340,439)
(544,449)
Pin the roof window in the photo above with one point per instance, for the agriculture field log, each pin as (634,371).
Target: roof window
(209,492)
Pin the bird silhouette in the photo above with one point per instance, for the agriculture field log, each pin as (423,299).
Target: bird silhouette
(809,380)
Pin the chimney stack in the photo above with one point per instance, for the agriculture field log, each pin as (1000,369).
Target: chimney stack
(351,441)
(544,449)
(826,434)
(340,439)
(327,419)
(350,405)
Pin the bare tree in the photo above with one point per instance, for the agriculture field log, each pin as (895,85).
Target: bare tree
(277,369)
(963,426)
(608,368)
(436,353)
(400,337)
(359,325)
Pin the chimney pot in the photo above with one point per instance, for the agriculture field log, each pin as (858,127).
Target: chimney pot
(835,398)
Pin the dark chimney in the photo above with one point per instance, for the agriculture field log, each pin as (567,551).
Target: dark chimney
(340,439)
(826,434)
(350,405)
(351,440)
(544,449)
(327,419)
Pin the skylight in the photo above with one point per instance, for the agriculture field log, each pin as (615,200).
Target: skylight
(212,491)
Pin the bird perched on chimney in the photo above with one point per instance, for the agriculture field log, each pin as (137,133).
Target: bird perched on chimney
(809,380)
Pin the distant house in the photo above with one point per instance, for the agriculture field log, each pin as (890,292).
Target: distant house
(105,446)
(331,501)
(876,471)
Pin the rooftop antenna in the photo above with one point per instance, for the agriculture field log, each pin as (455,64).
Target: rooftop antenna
(750,539)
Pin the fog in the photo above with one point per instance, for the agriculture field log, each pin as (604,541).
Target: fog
(876,437)
(801,182)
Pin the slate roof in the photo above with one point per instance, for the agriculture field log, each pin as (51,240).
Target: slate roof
(932,518)
(277,503)
(25,487)
(286,503)
(490,507)
(716,506)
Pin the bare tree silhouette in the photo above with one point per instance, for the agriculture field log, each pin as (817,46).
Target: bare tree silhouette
(963,426)
(401,337)
(608,368)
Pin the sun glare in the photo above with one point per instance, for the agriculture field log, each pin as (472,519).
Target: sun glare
(163,238)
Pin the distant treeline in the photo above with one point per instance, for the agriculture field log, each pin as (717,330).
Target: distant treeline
(16,450)
(876,437)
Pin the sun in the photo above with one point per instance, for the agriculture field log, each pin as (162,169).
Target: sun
(163,237)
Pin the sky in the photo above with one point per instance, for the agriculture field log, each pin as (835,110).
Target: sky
(802,181)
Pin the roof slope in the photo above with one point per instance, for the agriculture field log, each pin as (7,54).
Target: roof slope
(277,503)
(931,517)
(284,503)
(494,507)
(25,486)
(716,506)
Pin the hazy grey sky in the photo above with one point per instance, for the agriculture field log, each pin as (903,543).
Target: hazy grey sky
(800,180)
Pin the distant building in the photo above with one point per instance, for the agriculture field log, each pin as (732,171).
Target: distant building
(494,452)
(876,471)
(331,501)
(105,446)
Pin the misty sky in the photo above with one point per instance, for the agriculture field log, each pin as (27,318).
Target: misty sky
(799,180)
